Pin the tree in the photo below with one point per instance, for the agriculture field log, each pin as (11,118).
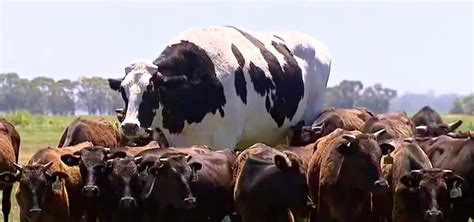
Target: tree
(343,95)
(376,98)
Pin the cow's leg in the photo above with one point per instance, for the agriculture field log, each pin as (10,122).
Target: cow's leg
(6,202)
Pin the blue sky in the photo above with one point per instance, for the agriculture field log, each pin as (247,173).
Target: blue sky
(409,46)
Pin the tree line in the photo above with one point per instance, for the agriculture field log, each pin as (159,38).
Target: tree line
(43,95)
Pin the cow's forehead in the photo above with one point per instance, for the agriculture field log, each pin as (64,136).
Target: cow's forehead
(124,168)
(137,77)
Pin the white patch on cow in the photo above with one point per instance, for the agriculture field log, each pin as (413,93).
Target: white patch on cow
(138,75)
(243,124)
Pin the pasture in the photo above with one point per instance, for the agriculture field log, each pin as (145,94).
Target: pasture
(42,131)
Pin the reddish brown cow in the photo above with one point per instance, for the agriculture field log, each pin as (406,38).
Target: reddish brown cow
(406,157)
(428,122)
(9,148)
(49,190)
(328,121)
(458,155)
(396,125)
(270,185)
(99,132)
(343,172)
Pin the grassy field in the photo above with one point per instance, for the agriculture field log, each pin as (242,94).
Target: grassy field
(42,131)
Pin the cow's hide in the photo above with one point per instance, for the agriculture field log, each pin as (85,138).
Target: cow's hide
(226,87)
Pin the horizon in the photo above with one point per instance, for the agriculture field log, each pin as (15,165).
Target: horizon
(368,41)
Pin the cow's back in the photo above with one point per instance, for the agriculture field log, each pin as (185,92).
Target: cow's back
(264,98)
(100,132)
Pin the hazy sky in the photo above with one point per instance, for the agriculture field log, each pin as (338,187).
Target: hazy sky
(407,46)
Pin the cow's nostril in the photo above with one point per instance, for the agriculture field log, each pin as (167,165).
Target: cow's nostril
(381,185)
(127,202)
(91,191)
(433,215)
(189,202)
(34,213)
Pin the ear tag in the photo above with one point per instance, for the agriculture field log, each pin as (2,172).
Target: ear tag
(56,186)
(194,176)
(456,191)
(387,159)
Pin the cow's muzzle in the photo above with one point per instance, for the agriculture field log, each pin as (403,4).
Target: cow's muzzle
(130,129)
(128,202)
(433,216)
(34,213)
(90,191)
(189,202)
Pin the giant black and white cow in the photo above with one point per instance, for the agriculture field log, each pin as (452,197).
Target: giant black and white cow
(226,87)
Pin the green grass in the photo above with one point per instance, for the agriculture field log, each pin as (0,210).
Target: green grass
(42,131)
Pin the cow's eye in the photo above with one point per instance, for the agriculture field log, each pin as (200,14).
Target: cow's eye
(100,169)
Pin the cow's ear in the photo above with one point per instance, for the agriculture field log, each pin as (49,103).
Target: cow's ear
(114,84)
(453,180)
(411,179)
(9,178)
(294,159)
(281,161)
(70,160)
(195,166)
(387,147)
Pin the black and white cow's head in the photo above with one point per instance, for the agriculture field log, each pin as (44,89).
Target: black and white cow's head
(181,83)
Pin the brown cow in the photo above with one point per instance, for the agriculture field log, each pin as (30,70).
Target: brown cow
(194,187)
(328,121)
(343,172)
(396,125)
(458,155)
(49,190)
(126,189)
(99,132)
(9,148)
(270,185)
(426,195)
(97,189)
(429,123)
(406,157)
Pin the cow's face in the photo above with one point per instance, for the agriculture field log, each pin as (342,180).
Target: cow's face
(139,90)
(433,187)
(174,175)
(92,164)
(362,156)
(295,192)
(36,183)
(124,181)
(434,130)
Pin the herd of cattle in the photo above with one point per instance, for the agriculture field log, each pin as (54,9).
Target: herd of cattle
(349,165)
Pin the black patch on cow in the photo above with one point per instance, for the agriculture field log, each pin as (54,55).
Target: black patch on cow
(278,37)
(147,109)
(287,82)
(191,100)
(239,78)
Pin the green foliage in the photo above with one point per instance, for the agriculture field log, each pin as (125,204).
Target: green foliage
(463,105)
(44,95)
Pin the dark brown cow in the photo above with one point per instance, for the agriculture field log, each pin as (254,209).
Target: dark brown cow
(49,190)
(406,157)
(97,189)
(126,188)
(193,187)
(426,195)
(9,148)
(270,185)
(343,172)
(458,155)
(99,132)
(429,123)
(396,125)
(328,121)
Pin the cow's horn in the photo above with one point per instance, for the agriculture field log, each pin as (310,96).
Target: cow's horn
(450,125)
(163,159)
(48,165)
(18,166)
(137,158)
(421,128)
(119,111)
(379,132)
(317,127)
(415,171)
(447,171)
